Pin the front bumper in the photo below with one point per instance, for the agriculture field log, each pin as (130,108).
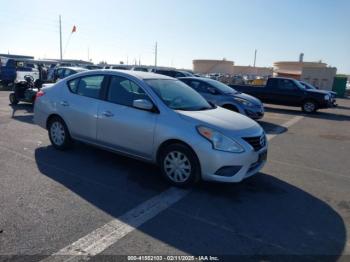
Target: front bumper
(333,101)
(244,164)
(328,104)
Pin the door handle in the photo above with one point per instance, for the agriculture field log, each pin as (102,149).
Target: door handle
(64,103)
(107,114)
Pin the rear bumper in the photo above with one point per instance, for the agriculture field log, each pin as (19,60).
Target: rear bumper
(40,117)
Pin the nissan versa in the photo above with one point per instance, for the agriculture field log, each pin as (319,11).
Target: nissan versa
(154,118)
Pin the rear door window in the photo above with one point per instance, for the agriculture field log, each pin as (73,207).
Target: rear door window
(286,84)
(73,85)
(90,86)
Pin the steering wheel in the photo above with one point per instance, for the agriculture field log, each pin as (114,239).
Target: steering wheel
(175,101)
(29,78)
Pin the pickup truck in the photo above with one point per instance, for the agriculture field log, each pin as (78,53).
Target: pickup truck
(289,92)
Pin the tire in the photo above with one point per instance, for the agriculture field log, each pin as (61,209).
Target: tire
(59,134)
(231,108)
(309,107)
(13,99)
(181,157)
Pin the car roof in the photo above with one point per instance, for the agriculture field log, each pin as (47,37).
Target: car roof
(195,78)
(73,68)
(138,74)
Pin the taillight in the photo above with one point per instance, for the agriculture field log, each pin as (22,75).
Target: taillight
(39,94)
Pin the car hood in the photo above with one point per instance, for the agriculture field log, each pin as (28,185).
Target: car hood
(316,91)
(247,97)
(228,122)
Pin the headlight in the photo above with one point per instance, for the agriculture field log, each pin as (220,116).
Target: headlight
(326,97)
(219,141)
(243,101)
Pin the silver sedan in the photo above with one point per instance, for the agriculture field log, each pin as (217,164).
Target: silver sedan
(153,118)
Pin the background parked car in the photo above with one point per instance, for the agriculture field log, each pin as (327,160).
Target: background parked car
(226,97)
(93,67)
(13,70)
(118,67)
(289,92)
(63,72)
(173,73)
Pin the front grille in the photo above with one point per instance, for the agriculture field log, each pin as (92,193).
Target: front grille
(257,142)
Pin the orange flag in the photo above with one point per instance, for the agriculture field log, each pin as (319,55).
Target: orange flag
(74,29)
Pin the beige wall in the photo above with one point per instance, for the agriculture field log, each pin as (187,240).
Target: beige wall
(212,66)
(228,67)
(295,68)
(320,77)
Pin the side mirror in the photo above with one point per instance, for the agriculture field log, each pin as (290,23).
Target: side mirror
(143,104)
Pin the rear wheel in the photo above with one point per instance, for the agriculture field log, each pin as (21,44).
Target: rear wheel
(309,107)
(179,165)
(59,134)
(13,99)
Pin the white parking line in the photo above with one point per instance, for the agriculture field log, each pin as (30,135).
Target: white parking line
(280,129)
(105,236)
(102,238)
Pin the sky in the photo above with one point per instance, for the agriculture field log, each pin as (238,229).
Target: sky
(119,30)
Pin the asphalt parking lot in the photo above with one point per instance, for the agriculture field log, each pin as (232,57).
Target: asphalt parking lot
(87,201)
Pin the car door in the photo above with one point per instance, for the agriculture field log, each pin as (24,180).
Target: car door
(121,126)
(286,92)
(79,105)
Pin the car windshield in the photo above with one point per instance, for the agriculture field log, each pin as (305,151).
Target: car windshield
(177,95)
(307,85)
(301,86)
(222,87)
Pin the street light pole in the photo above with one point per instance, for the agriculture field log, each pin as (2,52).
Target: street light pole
(155,55)
(60,38)
(255,57)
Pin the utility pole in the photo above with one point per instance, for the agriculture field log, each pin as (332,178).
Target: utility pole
(155,55)
(88,54)
(60,38)
(255,57)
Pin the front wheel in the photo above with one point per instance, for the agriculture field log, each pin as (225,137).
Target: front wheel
(179,165)
(59,134)
(13,99)
(309,107)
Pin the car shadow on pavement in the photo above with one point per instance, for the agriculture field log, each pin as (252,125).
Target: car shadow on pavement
(272,128)
(318,115)
(262,216)
(343,107)
(27,109)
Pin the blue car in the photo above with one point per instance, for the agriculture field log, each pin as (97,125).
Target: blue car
(222,95)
